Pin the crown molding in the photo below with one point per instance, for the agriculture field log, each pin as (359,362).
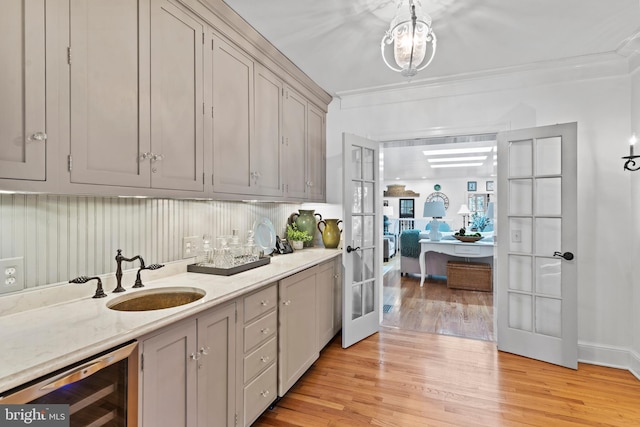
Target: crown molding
(589,67)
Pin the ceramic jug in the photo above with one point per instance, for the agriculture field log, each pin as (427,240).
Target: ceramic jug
(306,221)
(330,232)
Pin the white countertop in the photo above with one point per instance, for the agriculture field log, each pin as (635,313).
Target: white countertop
(41,340)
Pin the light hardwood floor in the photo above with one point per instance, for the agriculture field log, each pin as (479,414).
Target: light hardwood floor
(407,378)
(435,308)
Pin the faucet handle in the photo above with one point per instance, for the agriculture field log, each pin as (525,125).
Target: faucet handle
(138,283)
(84,279)
(155,266)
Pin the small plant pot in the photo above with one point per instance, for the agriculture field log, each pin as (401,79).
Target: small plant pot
(297,244)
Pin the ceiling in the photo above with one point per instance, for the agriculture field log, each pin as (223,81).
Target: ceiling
(337,44)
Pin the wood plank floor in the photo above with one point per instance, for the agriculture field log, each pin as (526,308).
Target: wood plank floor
(435,308)
(407,378)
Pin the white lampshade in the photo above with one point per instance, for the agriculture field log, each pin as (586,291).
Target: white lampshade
(434,209)
(464,210)
(489,213)
(387,210)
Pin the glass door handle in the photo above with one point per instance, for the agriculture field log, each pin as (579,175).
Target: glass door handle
(350,249)
(567,255)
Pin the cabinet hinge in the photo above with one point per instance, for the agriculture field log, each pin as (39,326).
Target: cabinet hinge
(70,162)
(141,362)
(212,111)
(69,55)
(203,175)
(202,38)
(203,109)
(236,418)
(236,314)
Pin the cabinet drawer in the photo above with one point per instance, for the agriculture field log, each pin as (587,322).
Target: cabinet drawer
(260,302)
(262,357)
(260,330)
(259,394)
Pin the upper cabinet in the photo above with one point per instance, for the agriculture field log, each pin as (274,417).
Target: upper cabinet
(177,108)
(305,141)
(109,92)
(232,112)
(164,98)
(23,132)
(136,107)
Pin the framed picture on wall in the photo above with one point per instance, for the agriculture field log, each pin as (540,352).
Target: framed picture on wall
(489,185)
(406,208)
(472,185)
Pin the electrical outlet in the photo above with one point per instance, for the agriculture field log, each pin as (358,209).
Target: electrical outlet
(190,246)
(11,275)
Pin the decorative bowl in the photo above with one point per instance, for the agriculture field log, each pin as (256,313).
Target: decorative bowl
(468,239)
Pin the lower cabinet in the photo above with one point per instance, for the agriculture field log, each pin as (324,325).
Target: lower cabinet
(188,372)
(260,350)
(227,365)
(298,330)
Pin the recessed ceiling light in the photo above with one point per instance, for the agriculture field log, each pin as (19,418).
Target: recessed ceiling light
(457,159)
(457,151)
(456,165)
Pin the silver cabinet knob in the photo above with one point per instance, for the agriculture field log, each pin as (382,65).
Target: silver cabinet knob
(265,359)
(287,302)
(264,302)
(145,156)
(156,157)
(39,136)
(204,350)
(264,393)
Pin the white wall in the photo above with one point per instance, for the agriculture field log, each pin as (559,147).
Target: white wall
(596,96)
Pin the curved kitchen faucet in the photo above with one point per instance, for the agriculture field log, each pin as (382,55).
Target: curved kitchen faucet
(138,283)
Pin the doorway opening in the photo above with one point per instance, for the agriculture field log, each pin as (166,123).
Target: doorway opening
(460,170)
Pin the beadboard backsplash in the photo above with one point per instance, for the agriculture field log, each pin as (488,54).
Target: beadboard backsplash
(61,237)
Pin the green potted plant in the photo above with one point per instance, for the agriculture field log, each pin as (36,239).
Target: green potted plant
(297,237)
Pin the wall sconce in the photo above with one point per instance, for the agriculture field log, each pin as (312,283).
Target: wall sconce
(630,164)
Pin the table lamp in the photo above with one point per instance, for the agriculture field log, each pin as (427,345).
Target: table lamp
(465,212)
(489,213)
(387,211)
(435,210)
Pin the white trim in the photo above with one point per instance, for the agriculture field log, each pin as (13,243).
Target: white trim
(588,67)
(610,357)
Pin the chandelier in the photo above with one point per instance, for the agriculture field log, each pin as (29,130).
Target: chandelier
(408,39)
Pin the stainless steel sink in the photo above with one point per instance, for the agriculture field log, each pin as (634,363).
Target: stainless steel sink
(156,299)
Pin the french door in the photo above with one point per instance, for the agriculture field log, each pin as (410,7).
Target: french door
(537,268)
(362,239)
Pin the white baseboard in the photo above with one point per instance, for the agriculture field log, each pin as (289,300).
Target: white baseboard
(610,356)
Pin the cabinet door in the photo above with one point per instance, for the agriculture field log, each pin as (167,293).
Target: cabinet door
(295,136)
(216,367)
(298,330)
(316,159)
(22,90)
(169,378)
(324,291)
(109,82)
(232,85)
(265,152)
(177,109)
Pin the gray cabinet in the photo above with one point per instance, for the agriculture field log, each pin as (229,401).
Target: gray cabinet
(266,162)
(136,95)
(232,129)
(295,139)
(260,349)
(329,300)
(177,139)
(305,140)
(22,90)
(188,372)
(298,330)
(109,92)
